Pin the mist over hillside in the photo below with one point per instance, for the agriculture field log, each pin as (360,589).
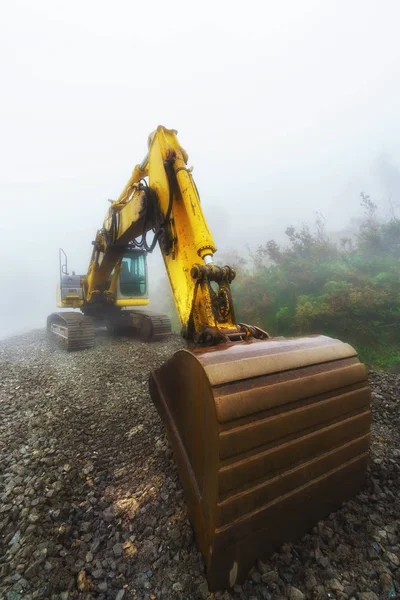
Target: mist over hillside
(276,130)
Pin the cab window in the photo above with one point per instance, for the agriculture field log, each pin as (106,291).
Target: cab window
(132,277)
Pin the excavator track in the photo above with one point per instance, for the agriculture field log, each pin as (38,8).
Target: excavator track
(153,326)
(73,330)
(269,438)
(150,325)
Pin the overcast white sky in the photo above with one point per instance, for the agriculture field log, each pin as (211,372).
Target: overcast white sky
(284,108)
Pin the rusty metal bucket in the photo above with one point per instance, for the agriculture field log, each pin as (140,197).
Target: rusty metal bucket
(269,437)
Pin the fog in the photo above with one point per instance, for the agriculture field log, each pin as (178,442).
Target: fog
(285,109)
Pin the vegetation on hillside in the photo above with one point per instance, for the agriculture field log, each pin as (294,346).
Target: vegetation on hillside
(349,289)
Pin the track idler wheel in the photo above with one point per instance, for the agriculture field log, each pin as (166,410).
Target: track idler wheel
(269,438)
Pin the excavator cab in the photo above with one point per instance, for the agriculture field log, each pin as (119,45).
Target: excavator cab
(133,275)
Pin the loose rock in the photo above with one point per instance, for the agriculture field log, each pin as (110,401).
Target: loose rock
(91,504)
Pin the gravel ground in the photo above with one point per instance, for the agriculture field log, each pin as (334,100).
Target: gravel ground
(91,505)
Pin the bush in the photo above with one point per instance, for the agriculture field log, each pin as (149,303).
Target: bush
(312,285)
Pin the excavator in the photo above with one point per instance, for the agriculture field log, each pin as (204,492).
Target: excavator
(112,298)
(269,434)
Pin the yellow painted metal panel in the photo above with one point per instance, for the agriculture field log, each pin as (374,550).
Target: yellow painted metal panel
(132,302)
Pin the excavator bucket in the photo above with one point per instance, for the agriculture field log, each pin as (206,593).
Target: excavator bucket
(269,437)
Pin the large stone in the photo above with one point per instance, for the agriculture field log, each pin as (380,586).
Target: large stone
(117,550)
(33,569)
(102,586)
(296,594)
(33,517)
(393,558)
(368,596)
(203,590)
(385,580)
(335,585)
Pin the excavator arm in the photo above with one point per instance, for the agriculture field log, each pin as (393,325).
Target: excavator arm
(162,196)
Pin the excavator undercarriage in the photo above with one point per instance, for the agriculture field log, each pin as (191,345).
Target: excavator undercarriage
(76,331)
(72,330)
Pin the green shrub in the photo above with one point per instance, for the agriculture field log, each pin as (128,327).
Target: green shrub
(312,285)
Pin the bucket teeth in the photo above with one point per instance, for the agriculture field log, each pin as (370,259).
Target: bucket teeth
(269,437)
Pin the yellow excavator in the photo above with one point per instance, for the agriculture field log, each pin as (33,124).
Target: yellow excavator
(269,434)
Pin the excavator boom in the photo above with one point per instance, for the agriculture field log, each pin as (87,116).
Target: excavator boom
(269,434)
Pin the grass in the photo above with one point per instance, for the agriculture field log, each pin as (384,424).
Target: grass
(382,358)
